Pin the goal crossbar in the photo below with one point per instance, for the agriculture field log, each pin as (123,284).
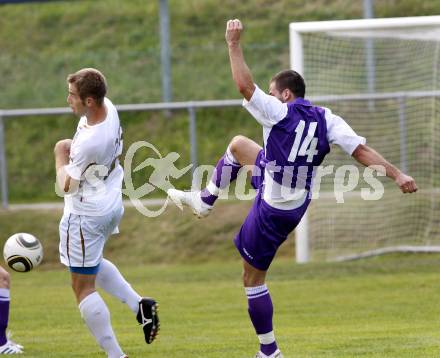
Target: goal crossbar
(297,28)
(364,24)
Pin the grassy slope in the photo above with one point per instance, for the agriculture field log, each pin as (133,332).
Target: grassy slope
(384,307)
(41,43)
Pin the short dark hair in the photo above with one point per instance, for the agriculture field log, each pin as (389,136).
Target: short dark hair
(90,83)
(292,80)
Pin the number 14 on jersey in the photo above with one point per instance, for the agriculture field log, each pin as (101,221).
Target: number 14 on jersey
(307,146)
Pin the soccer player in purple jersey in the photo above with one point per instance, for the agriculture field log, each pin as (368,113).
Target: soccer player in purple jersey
(6,345)
(297,136)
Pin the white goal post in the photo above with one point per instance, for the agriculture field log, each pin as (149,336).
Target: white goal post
(383,77)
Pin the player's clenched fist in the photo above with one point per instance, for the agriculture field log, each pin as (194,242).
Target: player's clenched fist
(406,183)
(233,31)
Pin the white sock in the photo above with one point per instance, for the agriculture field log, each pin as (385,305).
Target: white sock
(230,159)
(5,294)
(95,313)
(111,280)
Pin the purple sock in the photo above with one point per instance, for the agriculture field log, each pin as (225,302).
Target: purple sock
(207,197)
(4,314)
(261,312)
(226,171)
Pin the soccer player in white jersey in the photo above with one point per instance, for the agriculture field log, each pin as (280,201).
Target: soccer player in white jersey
(7,346)
(90,176)
(297,136)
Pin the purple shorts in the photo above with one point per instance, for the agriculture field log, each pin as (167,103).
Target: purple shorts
(265,228)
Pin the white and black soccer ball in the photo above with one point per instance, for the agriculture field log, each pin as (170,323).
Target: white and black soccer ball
(23,252)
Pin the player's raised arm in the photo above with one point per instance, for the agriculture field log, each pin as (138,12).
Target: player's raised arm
(240,71)
(369,157)
(340,133)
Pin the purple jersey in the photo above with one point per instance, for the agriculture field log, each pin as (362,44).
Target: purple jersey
(297,144)
(297,136)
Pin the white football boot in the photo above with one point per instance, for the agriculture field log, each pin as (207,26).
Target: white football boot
(276,354)
(10,347)
(9,337)
(191,199)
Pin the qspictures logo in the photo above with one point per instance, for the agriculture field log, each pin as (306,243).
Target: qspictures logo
(163,171)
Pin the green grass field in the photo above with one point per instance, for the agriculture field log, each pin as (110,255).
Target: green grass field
(382,307)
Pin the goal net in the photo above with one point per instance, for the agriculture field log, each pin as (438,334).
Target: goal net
(382,76)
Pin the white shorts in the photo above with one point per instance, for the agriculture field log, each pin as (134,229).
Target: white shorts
(82,238)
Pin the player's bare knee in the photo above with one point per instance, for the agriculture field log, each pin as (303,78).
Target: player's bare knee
(253,277)
(74,286)
(82,291)
(237,143)
(5,280)
(78,287)
(249,279)
(245,278)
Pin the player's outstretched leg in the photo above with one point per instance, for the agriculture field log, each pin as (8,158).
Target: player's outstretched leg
(7,346)
(111,280)
(241,151)
(260,310)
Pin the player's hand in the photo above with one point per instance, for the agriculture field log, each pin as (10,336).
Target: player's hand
(406,183)
(234,29)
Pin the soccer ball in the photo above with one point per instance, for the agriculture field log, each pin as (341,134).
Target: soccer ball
(23,252)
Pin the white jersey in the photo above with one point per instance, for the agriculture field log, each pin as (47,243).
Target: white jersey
(94,162)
